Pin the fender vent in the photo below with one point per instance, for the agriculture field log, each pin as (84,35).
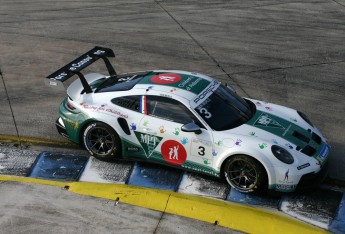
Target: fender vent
(316,138)
(301,136)
(124,125)
(308,150)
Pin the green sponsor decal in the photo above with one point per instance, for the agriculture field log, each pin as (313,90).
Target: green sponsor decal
(200,168)
(274,125)
(278,126)
(284,129)
(156,157)
(266,120)
(148,142)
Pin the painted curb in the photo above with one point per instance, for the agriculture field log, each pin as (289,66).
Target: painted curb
(226,214)
(34,140)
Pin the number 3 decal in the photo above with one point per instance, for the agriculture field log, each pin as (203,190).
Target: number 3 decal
(206,113)
(202,151)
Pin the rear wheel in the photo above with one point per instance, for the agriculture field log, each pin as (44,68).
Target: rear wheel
(102,141)
(245,174)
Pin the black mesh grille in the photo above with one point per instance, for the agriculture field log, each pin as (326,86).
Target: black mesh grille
(301,136)
(313,180)
(308,150)
(316,138)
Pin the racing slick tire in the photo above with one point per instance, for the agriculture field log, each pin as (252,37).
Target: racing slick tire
(102,141)
(245,174)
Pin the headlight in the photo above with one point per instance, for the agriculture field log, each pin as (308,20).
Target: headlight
(305,117)
(282,154)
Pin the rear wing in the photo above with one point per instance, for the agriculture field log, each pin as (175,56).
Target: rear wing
(74,67)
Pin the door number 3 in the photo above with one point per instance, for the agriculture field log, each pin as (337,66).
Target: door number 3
(202,151)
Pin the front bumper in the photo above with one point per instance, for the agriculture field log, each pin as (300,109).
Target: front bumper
(303,177)
(313,180)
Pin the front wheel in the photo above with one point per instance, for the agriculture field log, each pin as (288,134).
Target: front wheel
(101,141)
(245,174)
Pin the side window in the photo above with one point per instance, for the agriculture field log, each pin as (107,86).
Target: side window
(169,109)
(129,102)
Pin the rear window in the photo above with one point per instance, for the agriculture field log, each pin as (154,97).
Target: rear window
(129,102)
(120,83)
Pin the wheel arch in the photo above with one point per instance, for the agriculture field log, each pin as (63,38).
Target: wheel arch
(117,144)
(82,129)
(268,167)
(90,121)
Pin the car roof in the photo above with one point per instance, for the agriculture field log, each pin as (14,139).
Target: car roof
(188,81)
(186,84)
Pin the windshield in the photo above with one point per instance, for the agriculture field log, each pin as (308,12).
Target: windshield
(224,109)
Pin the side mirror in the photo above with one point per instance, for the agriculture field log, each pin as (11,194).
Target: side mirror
(191,127)
(230,87)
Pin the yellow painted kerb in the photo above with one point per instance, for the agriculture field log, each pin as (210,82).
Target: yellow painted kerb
(226,214)
(33,140)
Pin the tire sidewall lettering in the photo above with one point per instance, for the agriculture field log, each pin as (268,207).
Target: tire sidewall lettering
(88,129)
(85,135)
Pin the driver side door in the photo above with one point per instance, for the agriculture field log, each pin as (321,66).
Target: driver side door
(161,136)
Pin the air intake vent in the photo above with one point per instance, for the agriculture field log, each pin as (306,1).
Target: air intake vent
(316,138)
(308,150)
(301,136)
(124,125)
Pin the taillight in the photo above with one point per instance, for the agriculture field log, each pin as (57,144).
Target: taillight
(69,106)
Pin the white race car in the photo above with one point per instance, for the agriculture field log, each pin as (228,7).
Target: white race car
(189,121)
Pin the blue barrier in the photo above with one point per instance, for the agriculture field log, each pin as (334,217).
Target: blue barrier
(153,176)
(57,166)
(253,200)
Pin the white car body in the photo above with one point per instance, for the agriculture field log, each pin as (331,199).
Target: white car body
(160,140)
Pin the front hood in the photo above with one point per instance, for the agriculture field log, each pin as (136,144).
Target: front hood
(284,126)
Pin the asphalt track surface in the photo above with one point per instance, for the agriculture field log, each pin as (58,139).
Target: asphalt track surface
(55,210)
(290,53)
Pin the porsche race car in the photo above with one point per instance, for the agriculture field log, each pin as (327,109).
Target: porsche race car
(189,121)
